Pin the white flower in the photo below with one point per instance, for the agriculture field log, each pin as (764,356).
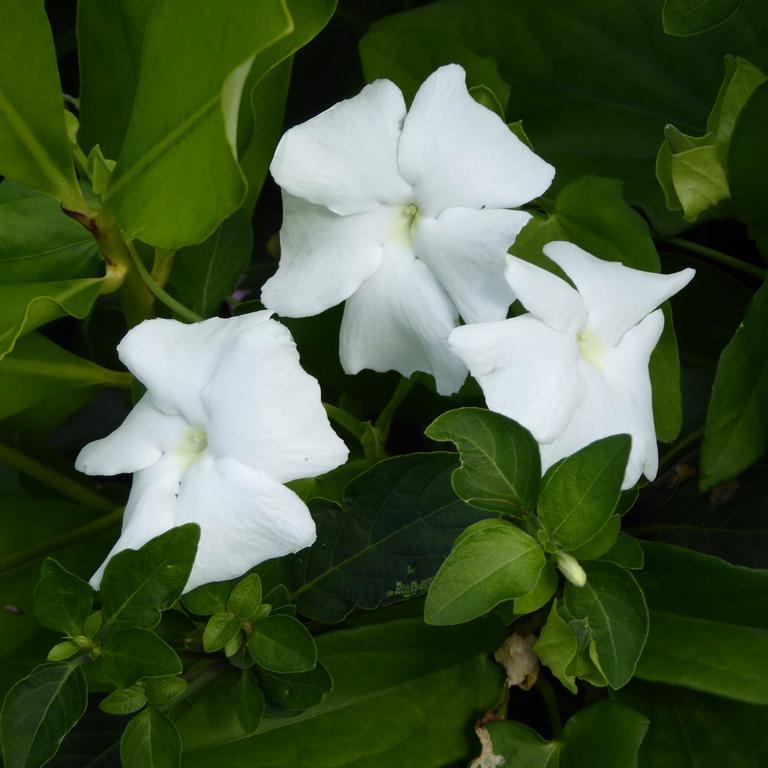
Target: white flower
(574,369)
(228,417)
(402,216)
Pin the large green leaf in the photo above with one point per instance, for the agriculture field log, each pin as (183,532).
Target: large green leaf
(177,177)
(692,17)
(389,680)
(62,599)
(613,606)
(34,146)
(709,624)
(492,562)
(38,713)
(399,521)
(131,654)
(500,464)
(737,421)
(150,740)
(297,691)
(594,86)
(281,643)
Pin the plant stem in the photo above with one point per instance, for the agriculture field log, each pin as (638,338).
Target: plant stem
(101,525)
(715,255)
(54,479)
(175,306)
(680,447)
(345,420)
(384,421)
(545,689)
(162,265)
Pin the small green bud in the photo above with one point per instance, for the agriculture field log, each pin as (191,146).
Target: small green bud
(62,651)
(92,624)
(83,642)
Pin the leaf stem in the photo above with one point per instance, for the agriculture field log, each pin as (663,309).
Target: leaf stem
(175,306)
(162,265)
(54,479)
(345,420)
(715,255)
(384,420)
(547,693)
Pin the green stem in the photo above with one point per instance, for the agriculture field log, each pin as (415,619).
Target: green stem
(89,530)
(81,161)
(162,265)
(384,421)
(60,482)
(550,701)
(681,447)
(175,306)
(345,420)
(714,255)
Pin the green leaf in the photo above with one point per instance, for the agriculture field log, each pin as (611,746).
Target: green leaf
(579,494)
(220,630)
(124,701)
(692,17)
(399,521)
(140,583)
(613,605)
(150,740)
(708,631)
(178,156)
(495,562)
(295,692)
(208,599)
(248,702)
(557,647)
(39,711)
(748,165)
(132,654)
(282,644)
(626,552)
(161,690)
(736,432)
(395,673)
(205,274)
(245,599)
(601,542)
(110,38)
(34,146)
(62,600)
(539,596)
(500,465)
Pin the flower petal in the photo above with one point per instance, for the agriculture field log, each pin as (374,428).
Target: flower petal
(465,249)
(527,371)
(616,297)
(324,258)
(457,153)
(244,518)
(346,157)
(176,360)
(617,401)
(145,435)
(545,295)
(399,320)
(151,508)
(265,410)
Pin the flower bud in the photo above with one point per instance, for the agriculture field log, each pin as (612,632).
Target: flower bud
(570,568)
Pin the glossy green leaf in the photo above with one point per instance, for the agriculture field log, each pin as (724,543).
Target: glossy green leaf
(220,630)
(692,17)
(246,598)
(34,146)
(298,691)
(612,604)
(161,690)
(248,702)
(709,631)
(62,600)
(134,653)
(92,743)
(500,465)
(495,562)
(140,583)
(601,542)
(579,494)
(124,701)
(399,521)
(150,740)
(282,644)
(178,156)
(737,421)
(208,599)
(539,596)
(626,552)
(39,711)
(557,647)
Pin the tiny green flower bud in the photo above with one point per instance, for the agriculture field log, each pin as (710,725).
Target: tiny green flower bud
(570,568)
(82,642)
(62,651)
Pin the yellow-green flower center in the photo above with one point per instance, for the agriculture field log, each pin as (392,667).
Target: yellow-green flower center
(191,446)
(404,222)
(592,347)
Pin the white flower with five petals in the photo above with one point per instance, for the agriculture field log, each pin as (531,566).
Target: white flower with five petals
(229,416)
(574,369)
(404,217)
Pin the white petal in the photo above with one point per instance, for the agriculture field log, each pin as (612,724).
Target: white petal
(616,297)
(176,360)
(457,153)
(150,510)
(527,371)
(265,410)
(346,157)
(324,258)
(617,401)
(399,320)
(465,249)
(244,518)
(545,295)
(145,435)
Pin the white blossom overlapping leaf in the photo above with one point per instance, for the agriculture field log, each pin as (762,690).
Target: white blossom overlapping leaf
(574,369)
(229,416)
(405,216)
